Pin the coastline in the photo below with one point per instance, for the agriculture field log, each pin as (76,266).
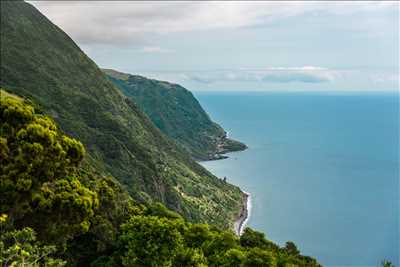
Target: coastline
(242,218)
(221,151)
(244,215)
(225,145)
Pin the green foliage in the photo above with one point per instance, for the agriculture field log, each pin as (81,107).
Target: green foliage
(220,241)
(158,209)
(39,187)
(41,63)
(20,248)
(190,257)
(115,208)
(233,258)
(151,241)
(257,257)
(148,240)
(386,263)
(177,113)
(197,235)
(291,248)
(251,238)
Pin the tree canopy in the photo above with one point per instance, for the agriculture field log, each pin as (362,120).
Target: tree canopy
(39,185)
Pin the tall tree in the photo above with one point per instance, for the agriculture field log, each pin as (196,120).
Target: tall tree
(39,185)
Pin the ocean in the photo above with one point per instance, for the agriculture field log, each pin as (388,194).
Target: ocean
(322,170)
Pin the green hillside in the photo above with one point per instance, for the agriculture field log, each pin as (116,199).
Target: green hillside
(54,212)
(177,113)
(40,62)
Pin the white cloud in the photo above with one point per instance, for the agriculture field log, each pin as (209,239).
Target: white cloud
(349,37)
(306,74)
(284,75)
(155,50)
(385,77)
(281,79)
(122,22)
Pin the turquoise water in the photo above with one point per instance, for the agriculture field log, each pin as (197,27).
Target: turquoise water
(322,169)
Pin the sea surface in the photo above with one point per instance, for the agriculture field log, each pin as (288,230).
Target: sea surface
(322,170)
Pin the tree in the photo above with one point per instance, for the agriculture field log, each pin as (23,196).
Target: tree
(190,257)
(257,257)
(233,258)
(252,239)
(151,241)
(159,210)
(197,234)
(39,185)
(291,248)
(386,263)
(219,243)
(115,208)
(20,248)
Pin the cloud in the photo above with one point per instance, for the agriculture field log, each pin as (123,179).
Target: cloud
(155,50)
(290,79)
(349,37)
(122,22)
(382,77)
(306,74)
(294,77)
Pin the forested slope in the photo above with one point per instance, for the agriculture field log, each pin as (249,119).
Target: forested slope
(177,113)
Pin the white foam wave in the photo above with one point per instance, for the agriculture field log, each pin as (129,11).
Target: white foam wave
(248,207)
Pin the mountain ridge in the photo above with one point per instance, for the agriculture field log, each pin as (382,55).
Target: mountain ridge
(178,114)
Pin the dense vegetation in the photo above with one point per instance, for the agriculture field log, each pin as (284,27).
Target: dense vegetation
(56,212)
(39,183)
(177,113)
(40,62)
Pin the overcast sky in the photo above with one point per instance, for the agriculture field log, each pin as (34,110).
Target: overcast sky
(240,45)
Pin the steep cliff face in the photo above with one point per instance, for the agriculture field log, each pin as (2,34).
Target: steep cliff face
(178,114)
(40,62)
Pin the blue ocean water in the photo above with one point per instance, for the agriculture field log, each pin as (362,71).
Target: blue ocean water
(322,169)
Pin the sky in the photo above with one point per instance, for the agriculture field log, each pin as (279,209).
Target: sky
(240,46)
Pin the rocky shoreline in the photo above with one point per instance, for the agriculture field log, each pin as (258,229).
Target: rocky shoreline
(242,218)
(225,145)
